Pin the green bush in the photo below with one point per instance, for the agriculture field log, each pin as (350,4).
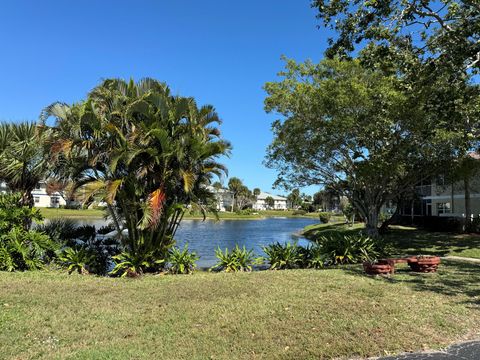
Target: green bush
(182,261)
(350,249)
(324,217)
(285,256)
(314,257)
(133,265)
(78,260)
(299,212)
(21,248)
(24,250)
(59,230)
(238,259)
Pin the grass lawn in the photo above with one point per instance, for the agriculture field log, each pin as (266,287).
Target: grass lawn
(296,314)
(412,241)
(49,213)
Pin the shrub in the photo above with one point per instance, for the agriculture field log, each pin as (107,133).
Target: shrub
(314,258)
(350,249)
(24,250)
(324,217)
(182,261)
(238,259)
(78,260)
(59,230)
(299,212)
(133,265)
(284,256)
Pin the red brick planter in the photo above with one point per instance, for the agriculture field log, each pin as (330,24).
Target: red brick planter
(382,267)
(424,264)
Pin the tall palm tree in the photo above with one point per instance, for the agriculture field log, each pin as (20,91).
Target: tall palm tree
(24,161)
(144,152)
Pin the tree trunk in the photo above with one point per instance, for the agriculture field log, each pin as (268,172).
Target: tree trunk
(468,206)
(27,200)
(371,222)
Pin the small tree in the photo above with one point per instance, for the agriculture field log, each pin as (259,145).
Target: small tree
(270,202)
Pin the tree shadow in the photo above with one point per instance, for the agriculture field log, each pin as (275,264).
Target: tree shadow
(454,278)
(414,242)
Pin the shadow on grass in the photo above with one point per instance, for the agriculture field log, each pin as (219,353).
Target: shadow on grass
(454,278)
(414,242)
(330,229)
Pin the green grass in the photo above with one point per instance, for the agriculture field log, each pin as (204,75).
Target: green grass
(412,241)
(49,213)
(295,314)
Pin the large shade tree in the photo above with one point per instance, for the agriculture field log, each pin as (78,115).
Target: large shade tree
(349,128)
(435,45)
(144,152)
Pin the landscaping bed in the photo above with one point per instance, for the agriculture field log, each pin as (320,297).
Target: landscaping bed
(269,314)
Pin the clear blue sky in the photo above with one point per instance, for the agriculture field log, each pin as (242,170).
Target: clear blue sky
(220,52)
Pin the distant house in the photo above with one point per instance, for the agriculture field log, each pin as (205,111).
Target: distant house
(40,196)
(280,202)
(224,198)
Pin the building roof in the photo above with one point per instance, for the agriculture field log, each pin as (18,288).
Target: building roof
(264,195)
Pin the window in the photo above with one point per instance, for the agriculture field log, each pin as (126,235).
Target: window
(444,208)
(54,200)
(36,199)
(441,180)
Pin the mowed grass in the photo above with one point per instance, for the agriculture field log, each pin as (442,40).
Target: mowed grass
(410,240)
(296,314)
(49,213)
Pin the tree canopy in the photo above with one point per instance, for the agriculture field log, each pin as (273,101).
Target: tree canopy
(350,128)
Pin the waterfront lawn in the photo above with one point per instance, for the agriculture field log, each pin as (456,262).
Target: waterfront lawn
(270,314)
(49,213)
(410,240)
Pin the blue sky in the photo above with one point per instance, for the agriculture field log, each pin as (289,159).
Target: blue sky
(220,52)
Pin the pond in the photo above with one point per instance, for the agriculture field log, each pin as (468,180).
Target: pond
(204,237)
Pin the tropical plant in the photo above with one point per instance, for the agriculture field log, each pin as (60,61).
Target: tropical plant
(314,257)
(182,261)
(270,202)
(144,152)
(324,217)
(24,158)
(24,250)
(350,249)
(238,259)
(133,265)
(76,260)
(21,249)
(60,230)
(284,256)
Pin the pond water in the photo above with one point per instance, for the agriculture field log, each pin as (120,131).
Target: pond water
(204,237)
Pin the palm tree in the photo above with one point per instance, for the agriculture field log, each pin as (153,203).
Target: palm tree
(24,161)
(235,185)
(144,152)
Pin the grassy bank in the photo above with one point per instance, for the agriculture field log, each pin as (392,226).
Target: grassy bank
(409,240)
(286,314)
(49,213)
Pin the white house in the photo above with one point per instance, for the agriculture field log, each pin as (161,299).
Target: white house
(279,202)
(40,196)
(224,198)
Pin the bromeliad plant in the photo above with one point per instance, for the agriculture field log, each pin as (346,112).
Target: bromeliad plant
(133,265)
(144,152)
(237,259)
(181,261)
(350,249)
(77,260)
(284,256)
